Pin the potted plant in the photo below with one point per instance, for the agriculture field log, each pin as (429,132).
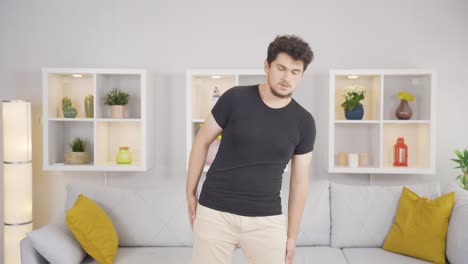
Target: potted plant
(352,107)
(117,100)
(403,111)
(78,154)
(462,162)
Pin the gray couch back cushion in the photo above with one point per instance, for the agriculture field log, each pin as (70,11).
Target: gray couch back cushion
(156,217)
(315,223)
(361,216)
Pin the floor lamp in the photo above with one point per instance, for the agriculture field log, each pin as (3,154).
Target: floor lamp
(17,176)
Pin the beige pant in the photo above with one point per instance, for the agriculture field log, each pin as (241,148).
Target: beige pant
(216,235)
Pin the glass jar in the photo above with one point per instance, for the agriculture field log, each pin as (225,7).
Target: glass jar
(124,156)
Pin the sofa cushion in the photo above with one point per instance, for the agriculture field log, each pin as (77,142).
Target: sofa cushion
(377,255)
(56,243)
(150,217)
(315,224)
(94,230)
(183,255)
(361,216)
(420,226)
(179,255)
(319,254)
(457,235)
(142,255)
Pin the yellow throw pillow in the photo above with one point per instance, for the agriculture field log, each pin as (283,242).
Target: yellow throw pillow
(93,229)
(420,226)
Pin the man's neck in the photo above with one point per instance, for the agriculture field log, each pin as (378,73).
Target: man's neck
(270,99)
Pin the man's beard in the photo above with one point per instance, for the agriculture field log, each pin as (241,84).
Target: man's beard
(275,93)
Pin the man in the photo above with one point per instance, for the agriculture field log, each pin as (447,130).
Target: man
(263,128)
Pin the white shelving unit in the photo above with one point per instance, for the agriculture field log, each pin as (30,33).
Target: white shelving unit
(379,129)
(103,134)
(200,84)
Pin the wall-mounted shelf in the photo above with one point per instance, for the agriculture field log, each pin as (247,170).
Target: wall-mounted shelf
(103,134)
(377,132)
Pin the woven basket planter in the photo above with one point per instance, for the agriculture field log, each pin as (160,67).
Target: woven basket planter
(76,157)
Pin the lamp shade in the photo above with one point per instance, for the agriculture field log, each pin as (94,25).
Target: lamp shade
(17,168)
(13,236)
(17,193)
(16,131)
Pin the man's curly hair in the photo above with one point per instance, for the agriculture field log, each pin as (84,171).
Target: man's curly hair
(292,45)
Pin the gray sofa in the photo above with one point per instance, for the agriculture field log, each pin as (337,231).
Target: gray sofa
(341,224)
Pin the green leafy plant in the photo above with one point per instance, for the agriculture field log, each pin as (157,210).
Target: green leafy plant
(462,162)
(78,145)
(354,94)
(116,97)
(403,95)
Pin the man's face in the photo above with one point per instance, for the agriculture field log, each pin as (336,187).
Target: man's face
(283,75)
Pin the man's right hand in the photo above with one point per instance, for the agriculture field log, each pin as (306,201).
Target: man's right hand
(192,207)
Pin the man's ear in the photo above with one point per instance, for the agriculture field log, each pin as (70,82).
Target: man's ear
(266,66)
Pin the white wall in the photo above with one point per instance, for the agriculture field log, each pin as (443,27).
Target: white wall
(169,37)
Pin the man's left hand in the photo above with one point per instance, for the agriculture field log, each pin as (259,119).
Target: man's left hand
(290,251)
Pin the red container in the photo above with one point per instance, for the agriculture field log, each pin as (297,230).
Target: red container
(400,153)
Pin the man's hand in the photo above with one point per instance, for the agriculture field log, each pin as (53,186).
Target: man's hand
(290,251)
(192,208)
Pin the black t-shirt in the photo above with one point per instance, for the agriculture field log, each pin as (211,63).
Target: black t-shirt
(257,143)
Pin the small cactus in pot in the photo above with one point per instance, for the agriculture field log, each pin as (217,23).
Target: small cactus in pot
(68,110)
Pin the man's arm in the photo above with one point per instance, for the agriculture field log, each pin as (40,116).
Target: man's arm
(205,136)
(298,189)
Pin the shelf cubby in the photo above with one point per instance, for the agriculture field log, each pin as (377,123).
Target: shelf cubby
(111,135)
(74,86)
(62,133)
(202,90)
(418,85)
(371,103)
(358,138)
(129,83)
(200,85)
(418,139)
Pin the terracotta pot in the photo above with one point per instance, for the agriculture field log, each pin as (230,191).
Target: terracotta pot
(118,111)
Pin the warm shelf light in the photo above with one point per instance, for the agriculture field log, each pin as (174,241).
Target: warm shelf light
(353,76)
(216,77)
(77,75)
(17,173)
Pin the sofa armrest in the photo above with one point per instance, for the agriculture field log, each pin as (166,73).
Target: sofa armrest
(457,237)
(29,255)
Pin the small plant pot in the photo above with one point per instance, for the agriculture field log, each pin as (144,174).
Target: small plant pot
(356,114)
(69,112)
(77,157)
(118,111)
